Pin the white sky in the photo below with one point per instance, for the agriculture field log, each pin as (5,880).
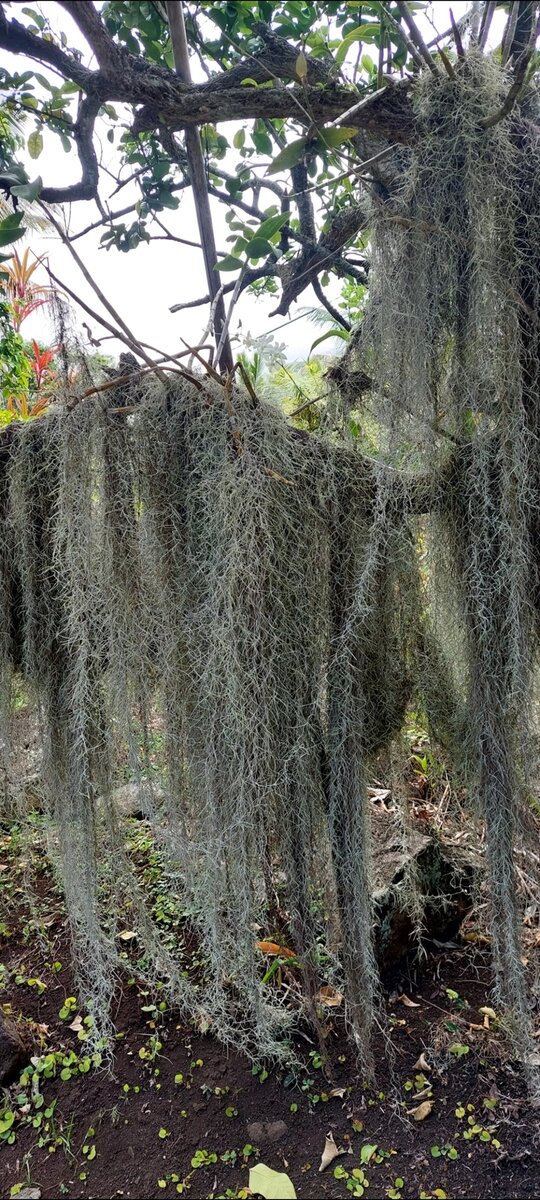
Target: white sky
(143,283)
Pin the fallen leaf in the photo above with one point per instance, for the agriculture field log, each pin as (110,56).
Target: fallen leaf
(340,1092)
(273,948)
(421,1064)
(422,1111)
(77,1024)
(127,934)
(332,1151)
(272,1185)
(328,996)
(408,1003)
(378,793)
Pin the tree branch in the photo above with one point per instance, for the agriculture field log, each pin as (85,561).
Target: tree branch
(19,40)
(108,54)
(162,98)
(199,184)
(334,312)
(83,130)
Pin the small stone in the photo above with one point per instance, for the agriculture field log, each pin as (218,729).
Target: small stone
(29,1193)
(266,1131)
(13,1052)
(131,799)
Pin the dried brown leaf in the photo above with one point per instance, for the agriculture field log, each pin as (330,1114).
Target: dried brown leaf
(328,996)
(332,1151)
(422,1111)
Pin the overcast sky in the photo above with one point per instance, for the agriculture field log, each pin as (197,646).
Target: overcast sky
(144,283)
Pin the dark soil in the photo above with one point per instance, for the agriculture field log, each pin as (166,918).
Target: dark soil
(173,1099)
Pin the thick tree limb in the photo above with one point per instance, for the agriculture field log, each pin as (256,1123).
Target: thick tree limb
(388,113)
(167,99)
(87,187)
(108,54)
(19,40)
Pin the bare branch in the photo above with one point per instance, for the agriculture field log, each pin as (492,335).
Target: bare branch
(108,53)
(128,336)
(416,36)
(248,278)
(487,17)
(87,188)
(199,184)
(457,38)
(520,72)
(334,312)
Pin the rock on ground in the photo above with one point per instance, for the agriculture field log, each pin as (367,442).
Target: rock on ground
(13,1053)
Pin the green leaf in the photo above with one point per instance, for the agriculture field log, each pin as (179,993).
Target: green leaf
(9,229)
(262,142)
(14,174)
(229,263)
(289,157)
(12,221)
(168,200)
(35,143)
(272,1185)
(336,135)
(239,139)
(66,143)
(336,332)
(258,247)
(360,34)
(272,225)
(459,1049)
(28,191)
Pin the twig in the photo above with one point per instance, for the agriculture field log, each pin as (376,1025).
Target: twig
(351,112)
(416,35)
(116,333)
(380,67)
(446,64)
(519,81)
(209,330)
(121,212)
(334,312)
(457,38)
(235,294)
(487,17)
(413,51)
(307,404)
(199,182)
(508,35)
(95,288)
